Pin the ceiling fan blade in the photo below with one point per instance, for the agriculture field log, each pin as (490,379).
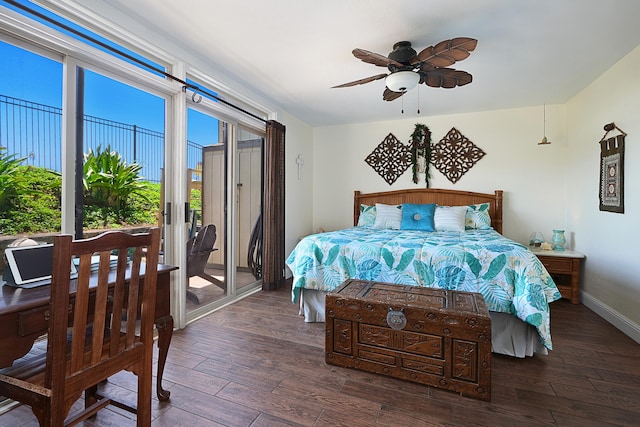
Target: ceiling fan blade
(374,58)
(361,81)
(389,95)
(447,52)
(445,78)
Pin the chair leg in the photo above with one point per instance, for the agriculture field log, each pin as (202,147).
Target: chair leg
(210,278)
(90,396)
(192,297)
(143,413)
(44,415)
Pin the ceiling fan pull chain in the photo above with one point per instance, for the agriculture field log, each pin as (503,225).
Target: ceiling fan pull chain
(418,99)
(402,99)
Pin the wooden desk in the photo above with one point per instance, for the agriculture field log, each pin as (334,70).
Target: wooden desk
(24,314)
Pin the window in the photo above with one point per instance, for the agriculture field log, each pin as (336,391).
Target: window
(30,137)
(123,145)
(141,124)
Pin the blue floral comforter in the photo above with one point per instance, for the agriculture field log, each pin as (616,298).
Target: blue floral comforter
(507,274)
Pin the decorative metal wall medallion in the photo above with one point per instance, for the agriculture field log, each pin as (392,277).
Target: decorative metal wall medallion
(390,159)
(454,155)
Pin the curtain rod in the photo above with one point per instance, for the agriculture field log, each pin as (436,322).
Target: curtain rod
(186,85)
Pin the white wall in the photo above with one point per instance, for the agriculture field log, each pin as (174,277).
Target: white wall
(611,284)
(299,193)
(531,176)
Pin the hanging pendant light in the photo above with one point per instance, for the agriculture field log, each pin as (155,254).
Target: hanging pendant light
(544,140)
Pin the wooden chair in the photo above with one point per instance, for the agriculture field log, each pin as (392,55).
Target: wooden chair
(199,247)
(91,335)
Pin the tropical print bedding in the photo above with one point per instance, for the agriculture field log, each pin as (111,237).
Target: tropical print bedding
(507,274)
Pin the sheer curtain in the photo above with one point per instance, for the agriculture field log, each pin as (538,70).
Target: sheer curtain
(273,255)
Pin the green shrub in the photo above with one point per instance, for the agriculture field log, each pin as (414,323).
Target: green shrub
(11,184)
(140,209)
(34,203)
(108,180)
(36,208)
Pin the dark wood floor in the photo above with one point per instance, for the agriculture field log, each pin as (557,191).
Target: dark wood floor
(256,363)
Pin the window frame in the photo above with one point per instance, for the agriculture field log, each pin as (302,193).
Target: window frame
(25,32)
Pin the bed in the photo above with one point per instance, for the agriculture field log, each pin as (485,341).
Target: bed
(474,257)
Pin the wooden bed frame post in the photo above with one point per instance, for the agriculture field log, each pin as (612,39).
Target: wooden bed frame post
(356,207)
(497,223)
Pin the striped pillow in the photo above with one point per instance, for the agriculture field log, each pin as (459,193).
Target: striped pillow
(388,216)
(450,218)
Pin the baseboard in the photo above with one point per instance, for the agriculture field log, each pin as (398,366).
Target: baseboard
(621,322)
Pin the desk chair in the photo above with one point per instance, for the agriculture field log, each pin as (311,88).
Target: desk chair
(199,247)
(89,337)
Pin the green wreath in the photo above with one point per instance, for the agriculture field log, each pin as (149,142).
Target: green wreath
(421,147)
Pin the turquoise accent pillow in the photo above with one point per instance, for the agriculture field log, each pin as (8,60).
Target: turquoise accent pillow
(418,217)
(367,216)
(477,217)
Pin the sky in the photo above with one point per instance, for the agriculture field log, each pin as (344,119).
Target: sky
(31,77)
(34,78)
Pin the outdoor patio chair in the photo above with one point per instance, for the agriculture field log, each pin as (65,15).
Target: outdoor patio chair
(199,247)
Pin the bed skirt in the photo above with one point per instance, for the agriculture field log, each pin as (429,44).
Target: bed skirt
(509,335)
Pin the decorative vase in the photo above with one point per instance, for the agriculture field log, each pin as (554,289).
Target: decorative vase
(558,240)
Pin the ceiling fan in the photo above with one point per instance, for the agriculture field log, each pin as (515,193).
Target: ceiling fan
(407,68)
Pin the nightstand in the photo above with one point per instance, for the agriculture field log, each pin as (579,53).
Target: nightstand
(565,267)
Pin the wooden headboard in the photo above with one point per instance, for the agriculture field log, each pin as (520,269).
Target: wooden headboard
(430,195)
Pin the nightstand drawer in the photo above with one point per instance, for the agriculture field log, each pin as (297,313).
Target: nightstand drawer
(565,269)
(557,265)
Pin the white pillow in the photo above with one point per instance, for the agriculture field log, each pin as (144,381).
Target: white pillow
(388,216)
(450,218)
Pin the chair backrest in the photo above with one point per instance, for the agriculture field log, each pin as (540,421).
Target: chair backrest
(193,223)
(204,240)
(122,269)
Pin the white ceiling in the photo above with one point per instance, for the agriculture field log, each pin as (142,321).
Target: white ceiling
(292,51)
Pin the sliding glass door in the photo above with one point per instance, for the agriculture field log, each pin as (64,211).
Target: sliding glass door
(205,181)
(248,208)
(224,190)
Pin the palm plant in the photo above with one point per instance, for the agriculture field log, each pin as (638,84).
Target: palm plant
(108,180)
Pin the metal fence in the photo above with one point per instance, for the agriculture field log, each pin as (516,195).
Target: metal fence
(33,131)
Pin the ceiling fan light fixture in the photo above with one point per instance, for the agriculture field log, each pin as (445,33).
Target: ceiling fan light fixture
(402,81)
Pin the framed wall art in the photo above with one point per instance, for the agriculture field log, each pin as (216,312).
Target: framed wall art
(612,170)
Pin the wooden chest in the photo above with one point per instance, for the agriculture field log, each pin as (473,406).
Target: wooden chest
(432,336)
